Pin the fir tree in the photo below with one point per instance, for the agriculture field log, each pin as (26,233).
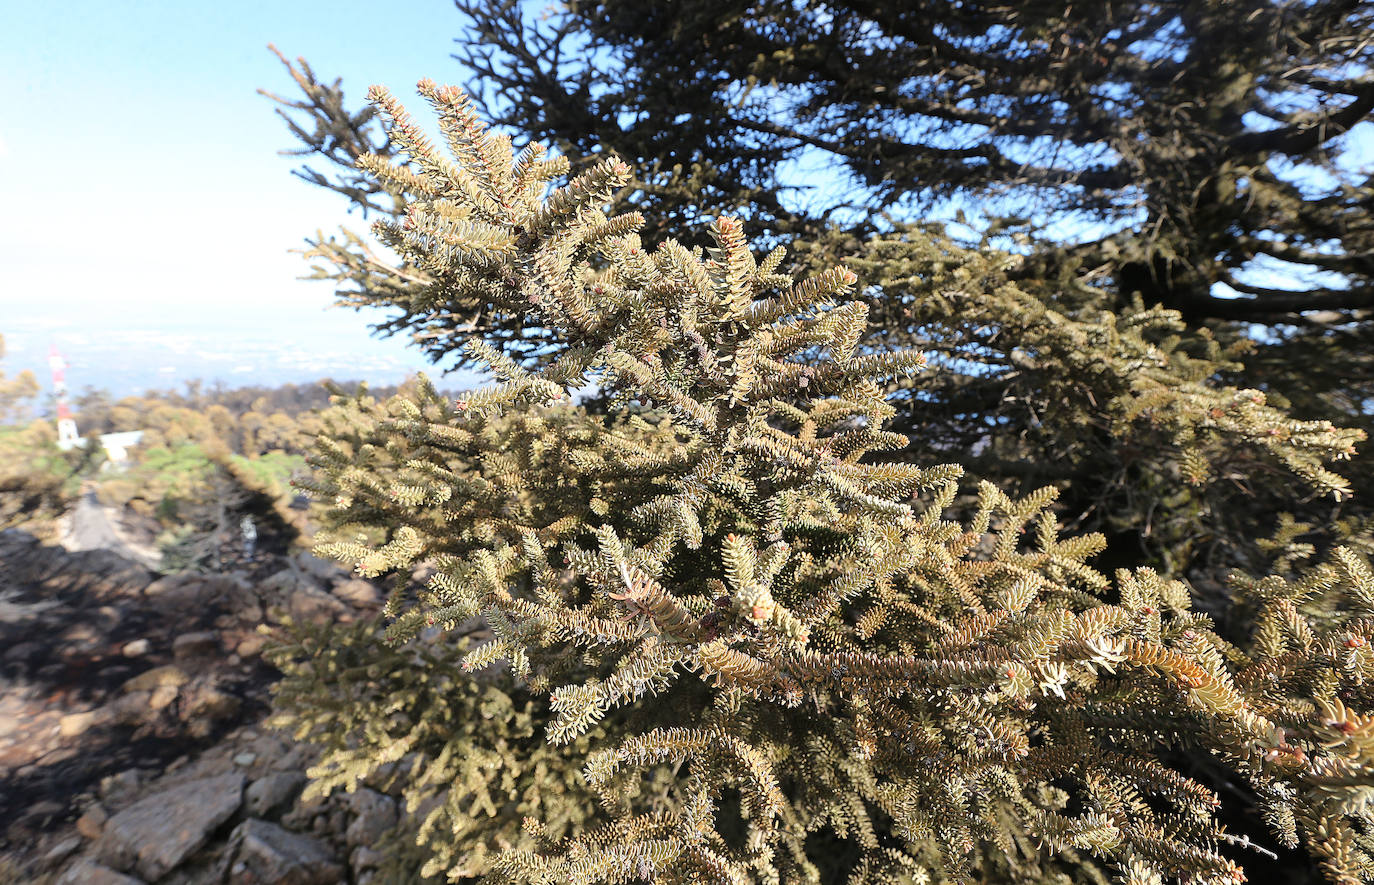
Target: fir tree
(1199,135)
(1206,155)
(1133,119)
(777,652)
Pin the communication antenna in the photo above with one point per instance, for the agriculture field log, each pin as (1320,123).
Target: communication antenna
(67,436)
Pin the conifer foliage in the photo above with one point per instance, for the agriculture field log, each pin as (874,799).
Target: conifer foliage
(773,652)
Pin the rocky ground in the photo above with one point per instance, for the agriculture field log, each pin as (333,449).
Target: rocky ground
(132,743)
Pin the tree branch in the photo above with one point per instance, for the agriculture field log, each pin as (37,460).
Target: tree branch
(1271,302)
(1303,137)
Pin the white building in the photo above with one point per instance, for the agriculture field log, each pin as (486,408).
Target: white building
(116,445)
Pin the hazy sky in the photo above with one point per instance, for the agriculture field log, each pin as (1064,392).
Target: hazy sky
(142,190)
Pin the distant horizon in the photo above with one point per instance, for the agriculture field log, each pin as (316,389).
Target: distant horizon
(136,359)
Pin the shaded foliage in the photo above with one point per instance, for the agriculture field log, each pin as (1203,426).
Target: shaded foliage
(835,642)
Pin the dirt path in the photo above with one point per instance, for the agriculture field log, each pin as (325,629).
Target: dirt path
(90,527)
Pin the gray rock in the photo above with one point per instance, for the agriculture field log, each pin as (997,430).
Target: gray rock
(62,850)
(204,705)
(249,646)
(171,584)
(270,748)
(265,854)
(266,794)
(87,872)
(298,758)
(310,603)
(161,697)
(40,814)
(300,596)
(297,818)
(197,644)
(137,707)
(158,676)
(159,831)
(319,568)
(359,593)
(22,651)
(92,823)
(187,587)
(137,648)
(365,858)
(278,586)
(115,786)
(373,815)
(75,724)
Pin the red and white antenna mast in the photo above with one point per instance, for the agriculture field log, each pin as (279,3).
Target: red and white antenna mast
(67,436)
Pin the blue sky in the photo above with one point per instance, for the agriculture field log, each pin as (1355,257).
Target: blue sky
(147,215)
